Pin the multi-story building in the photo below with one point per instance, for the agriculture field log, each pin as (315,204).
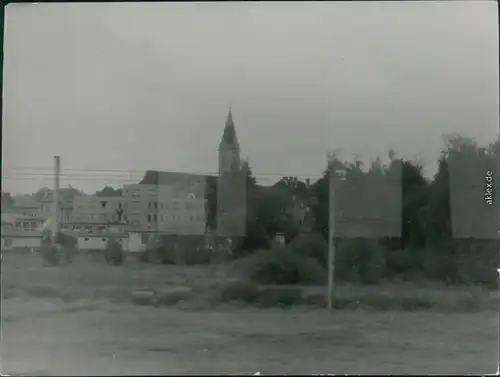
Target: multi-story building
(174,204)
(99,209)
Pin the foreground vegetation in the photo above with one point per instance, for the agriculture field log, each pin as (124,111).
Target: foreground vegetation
(203,287)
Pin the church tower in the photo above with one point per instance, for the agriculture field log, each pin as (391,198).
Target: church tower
(229,149)
(231,186)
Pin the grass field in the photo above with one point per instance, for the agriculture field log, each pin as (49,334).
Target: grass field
(80,319)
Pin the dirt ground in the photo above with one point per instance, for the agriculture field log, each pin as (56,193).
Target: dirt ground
(83,332)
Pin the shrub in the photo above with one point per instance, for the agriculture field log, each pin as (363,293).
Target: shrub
(311,272)
(51,255)
(60,252)
(276,266)
(248,292)
(403,264)
(361,260)
(67,247)
(282,266)
(142,256)
(113,253)
(192,256)
(279,296)
(240,291)
(310,246)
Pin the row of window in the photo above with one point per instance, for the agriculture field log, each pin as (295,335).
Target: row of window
(120,240)
(27,225)
(166,205)
(104,217)
(175,217)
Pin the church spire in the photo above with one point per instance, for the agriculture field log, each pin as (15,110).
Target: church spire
(229,119)
(229,135)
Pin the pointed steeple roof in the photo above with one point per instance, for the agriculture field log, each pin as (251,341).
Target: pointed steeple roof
(229,135)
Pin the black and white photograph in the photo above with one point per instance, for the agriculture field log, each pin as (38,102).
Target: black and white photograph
(242,188)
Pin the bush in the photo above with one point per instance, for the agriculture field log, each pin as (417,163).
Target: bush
(360,260)
(51,255)
(192,256)
(240,291)
(311,272)
(248,292)
(113,253)
(276,266)
(279,296)
(60,252)
(403,264)
(142,256)
(282,266)
(176,250)
(310,246)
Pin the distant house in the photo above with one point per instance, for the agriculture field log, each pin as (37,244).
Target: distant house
(13,239)
(21,231)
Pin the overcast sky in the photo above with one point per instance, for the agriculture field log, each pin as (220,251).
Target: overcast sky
(136,86)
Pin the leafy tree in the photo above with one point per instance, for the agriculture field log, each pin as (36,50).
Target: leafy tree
(7,200)
(109,191)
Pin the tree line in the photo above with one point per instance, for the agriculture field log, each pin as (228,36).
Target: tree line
(390,220)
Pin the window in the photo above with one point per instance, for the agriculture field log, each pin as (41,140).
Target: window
(26,225)
(18,225)
(149,218)
(191,218)
(86,239)
(155,218)
(161,205)
(161,218)
(104,239)
(156,205)
(167,205)
(33,225)
(149,205)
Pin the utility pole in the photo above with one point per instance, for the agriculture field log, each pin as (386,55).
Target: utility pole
(331,235)
(55,214)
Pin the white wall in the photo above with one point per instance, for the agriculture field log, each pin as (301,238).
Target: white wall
(26,242)
(97,243)
(135,242)
(91,243)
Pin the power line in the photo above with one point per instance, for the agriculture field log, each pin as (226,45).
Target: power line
(143,171)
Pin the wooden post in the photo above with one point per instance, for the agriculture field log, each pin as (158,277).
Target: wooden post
(331,237)
(55,214)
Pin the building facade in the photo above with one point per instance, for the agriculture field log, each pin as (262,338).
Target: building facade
(99,209)
(20,231)
(170,207)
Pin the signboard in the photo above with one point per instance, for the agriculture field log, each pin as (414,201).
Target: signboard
(369,207)
(474,198)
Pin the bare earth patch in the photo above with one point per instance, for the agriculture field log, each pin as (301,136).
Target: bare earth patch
(80,331)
